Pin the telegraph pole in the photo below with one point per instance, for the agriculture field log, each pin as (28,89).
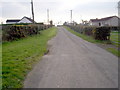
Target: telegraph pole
(119,13)
(119,9)
(32,10)
(48,16)
(71,16)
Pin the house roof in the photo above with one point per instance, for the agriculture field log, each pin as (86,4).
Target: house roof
(13,20)
(103,19)
(29,19)
(17,20)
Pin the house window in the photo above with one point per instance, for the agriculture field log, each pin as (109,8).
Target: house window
(99,24)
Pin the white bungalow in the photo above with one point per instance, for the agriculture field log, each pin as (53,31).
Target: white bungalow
(23,20)
(107,21)
(12,21)
(26,20)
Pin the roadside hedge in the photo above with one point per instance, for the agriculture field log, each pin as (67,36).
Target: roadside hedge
(98,33)
(13,32)
(102,33)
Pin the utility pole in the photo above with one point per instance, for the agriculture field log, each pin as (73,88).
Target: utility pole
(71,16)
(48,16)
(119,9)
(32,11)
(119,13)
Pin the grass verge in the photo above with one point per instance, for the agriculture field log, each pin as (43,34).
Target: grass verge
(85,37)
(114,51)
(18,57)
(92,40)
(114,38)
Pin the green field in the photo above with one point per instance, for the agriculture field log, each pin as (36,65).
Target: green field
(18,57)
(114,38)
(115,41)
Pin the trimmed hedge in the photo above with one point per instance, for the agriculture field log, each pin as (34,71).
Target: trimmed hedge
(99,33)
(13,32)
(102,33)
(115,28)
(77,28)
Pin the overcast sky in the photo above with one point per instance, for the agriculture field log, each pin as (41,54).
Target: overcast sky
(59,10)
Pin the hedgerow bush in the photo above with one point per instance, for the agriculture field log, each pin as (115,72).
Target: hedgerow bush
(13,32)
(115,28)
(99,33)
(89,30)
(102,33)
(77,28)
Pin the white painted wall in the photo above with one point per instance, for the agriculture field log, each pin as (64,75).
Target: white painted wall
(111,22)
(24,20)
(11,22)
(94,23)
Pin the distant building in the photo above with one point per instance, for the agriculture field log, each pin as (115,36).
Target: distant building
(85,23)
(73,23)
(65,23)
(23,20)
(107,21)
(26,20)
(12,21)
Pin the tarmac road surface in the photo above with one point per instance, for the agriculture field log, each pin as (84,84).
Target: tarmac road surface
(74,63)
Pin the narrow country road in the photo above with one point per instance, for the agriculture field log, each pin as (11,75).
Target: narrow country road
(74,63)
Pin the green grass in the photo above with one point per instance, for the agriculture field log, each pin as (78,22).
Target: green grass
(114,38)
(114,51)
(18,57)
(88,38)
(85,37)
